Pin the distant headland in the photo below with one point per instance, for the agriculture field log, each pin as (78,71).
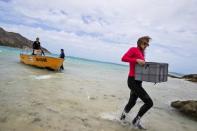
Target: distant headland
(15,40)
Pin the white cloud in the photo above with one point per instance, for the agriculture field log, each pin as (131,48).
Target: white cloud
(98,28)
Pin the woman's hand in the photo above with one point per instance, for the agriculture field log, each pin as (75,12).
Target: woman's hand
(141,62)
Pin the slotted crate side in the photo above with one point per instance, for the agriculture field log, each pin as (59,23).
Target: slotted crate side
(152,72)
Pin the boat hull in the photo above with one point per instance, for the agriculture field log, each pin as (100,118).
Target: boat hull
(42,61)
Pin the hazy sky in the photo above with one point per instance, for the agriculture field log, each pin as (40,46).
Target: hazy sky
(105,29)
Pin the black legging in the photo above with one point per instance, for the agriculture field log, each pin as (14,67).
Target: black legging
(138,91)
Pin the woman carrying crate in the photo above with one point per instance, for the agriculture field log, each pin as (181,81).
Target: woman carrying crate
(133,56)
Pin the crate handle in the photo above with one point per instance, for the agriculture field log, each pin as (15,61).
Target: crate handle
(146,66)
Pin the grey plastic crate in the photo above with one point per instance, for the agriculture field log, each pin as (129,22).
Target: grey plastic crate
(152,72)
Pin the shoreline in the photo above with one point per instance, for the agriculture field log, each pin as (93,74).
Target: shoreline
(170,74)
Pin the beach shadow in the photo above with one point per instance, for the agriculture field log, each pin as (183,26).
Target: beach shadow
(3,119)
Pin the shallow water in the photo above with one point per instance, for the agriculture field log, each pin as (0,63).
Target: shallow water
(86,96)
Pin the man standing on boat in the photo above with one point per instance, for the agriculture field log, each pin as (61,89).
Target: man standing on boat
(37,50)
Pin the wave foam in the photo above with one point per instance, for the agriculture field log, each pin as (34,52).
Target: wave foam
(41,77)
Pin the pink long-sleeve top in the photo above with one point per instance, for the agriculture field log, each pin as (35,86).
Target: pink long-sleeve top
(131,56)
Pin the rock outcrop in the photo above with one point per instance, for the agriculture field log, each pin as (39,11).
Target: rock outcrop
(16,40)
(188,107)
(191,77)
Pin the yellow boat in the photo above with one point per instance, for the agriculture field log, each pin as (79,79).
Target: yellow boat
(42,61)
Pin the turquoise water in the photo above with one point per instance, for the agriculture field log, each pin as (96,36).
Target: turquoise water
(73,66)
(91,64)
(9,51)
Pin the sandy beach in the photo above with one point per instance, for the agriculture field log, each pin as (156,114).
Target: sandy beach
(86,96)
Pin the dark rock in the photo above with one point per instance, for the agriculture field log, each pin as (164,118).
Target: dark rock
(15,40)
(191,77)
(188,107)
(36,120)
